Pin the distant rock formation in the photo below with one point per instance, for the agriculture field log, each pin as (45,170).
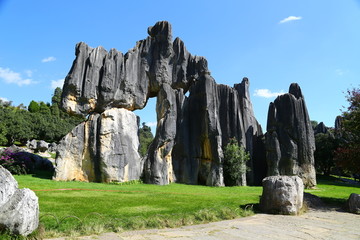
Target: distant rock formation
(191,131)
(320,128)
(290,142)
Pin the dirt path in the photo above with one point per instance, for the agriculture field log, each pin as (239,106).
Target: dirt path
(315,224)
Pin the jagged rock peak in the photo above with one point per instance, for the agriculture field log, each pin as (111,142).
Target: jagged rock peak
(101,80)
(320,128)
(161,30)
(295,90)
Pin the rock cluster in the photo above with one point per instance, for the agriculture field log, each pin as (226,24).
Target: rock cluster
(191,131)
(19,208)
(196,117)
(290,142)
(282,195)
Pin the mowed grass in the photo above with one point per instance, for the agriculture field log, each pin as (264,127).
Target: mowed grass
(333,191)
(95,207)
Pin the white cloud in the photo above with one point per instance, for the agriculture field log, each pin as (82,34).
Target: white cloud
(9,76)
(4,99)
(57,83)
(151,124)
(290,18)
(266,93)
(48,59)
(341,72)
(29,73)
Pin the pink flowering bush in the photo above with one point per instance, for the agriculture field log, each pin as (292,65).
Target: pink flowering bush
(16,163)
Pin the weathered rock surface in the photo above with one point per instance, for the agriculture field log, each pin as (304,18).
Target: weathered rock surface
(191,130)
(100,80)
(19,208)
(102,149)
(42,146)
(282,195)
(290,142)
(354,203)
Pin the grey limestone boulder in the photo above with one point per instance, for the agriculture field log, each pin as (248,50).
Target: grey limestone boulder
(32,145)
(282,195)
(354,203)
(42,146)
(19,208)
(102,149)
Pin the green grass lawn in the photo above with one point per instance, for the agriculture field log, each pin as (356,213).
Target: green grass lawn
(333,191)
(96,207)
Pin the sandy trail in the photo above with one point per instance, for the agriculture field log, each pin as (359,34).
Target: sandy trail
(315,224)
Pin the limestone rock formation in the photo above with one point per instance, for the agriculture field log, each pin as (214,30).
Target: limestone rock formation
(191,130)
(100,80)
(290,142)
(19,208)
(320,128)
(102,149)
(282,195)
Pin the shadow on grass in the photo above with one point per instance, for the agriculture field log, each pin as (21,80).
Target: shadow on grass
(336,181)
(255,207)
(334,202)
(43,174)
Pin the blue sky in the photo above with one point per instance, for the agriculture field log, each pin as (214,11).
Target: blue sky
(273,43)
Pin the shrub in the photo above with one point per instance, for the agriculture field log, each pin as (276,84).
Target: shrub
(235,158)
(16,163)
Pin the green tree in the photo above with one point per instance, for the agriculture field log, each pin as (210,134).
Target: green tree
(34,107)
(3,132)
(45,108)
(145,138)
(56,98)
(348,154)
(235,158)
(326,145)
(314,123)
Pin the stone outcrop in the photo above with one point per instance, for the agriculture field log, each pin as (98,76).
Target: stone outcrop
(102,149)
(354,203)
(19,208)
(290,142)
(282,195)
(192,128)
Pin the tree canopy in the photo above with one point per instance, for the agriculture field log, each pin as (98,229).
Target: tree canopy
(42,121)
(347,156)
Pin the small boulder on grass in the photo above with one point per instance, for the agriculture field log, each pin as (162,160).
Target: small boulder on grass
(354,203)
(19,208)
(282,195)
